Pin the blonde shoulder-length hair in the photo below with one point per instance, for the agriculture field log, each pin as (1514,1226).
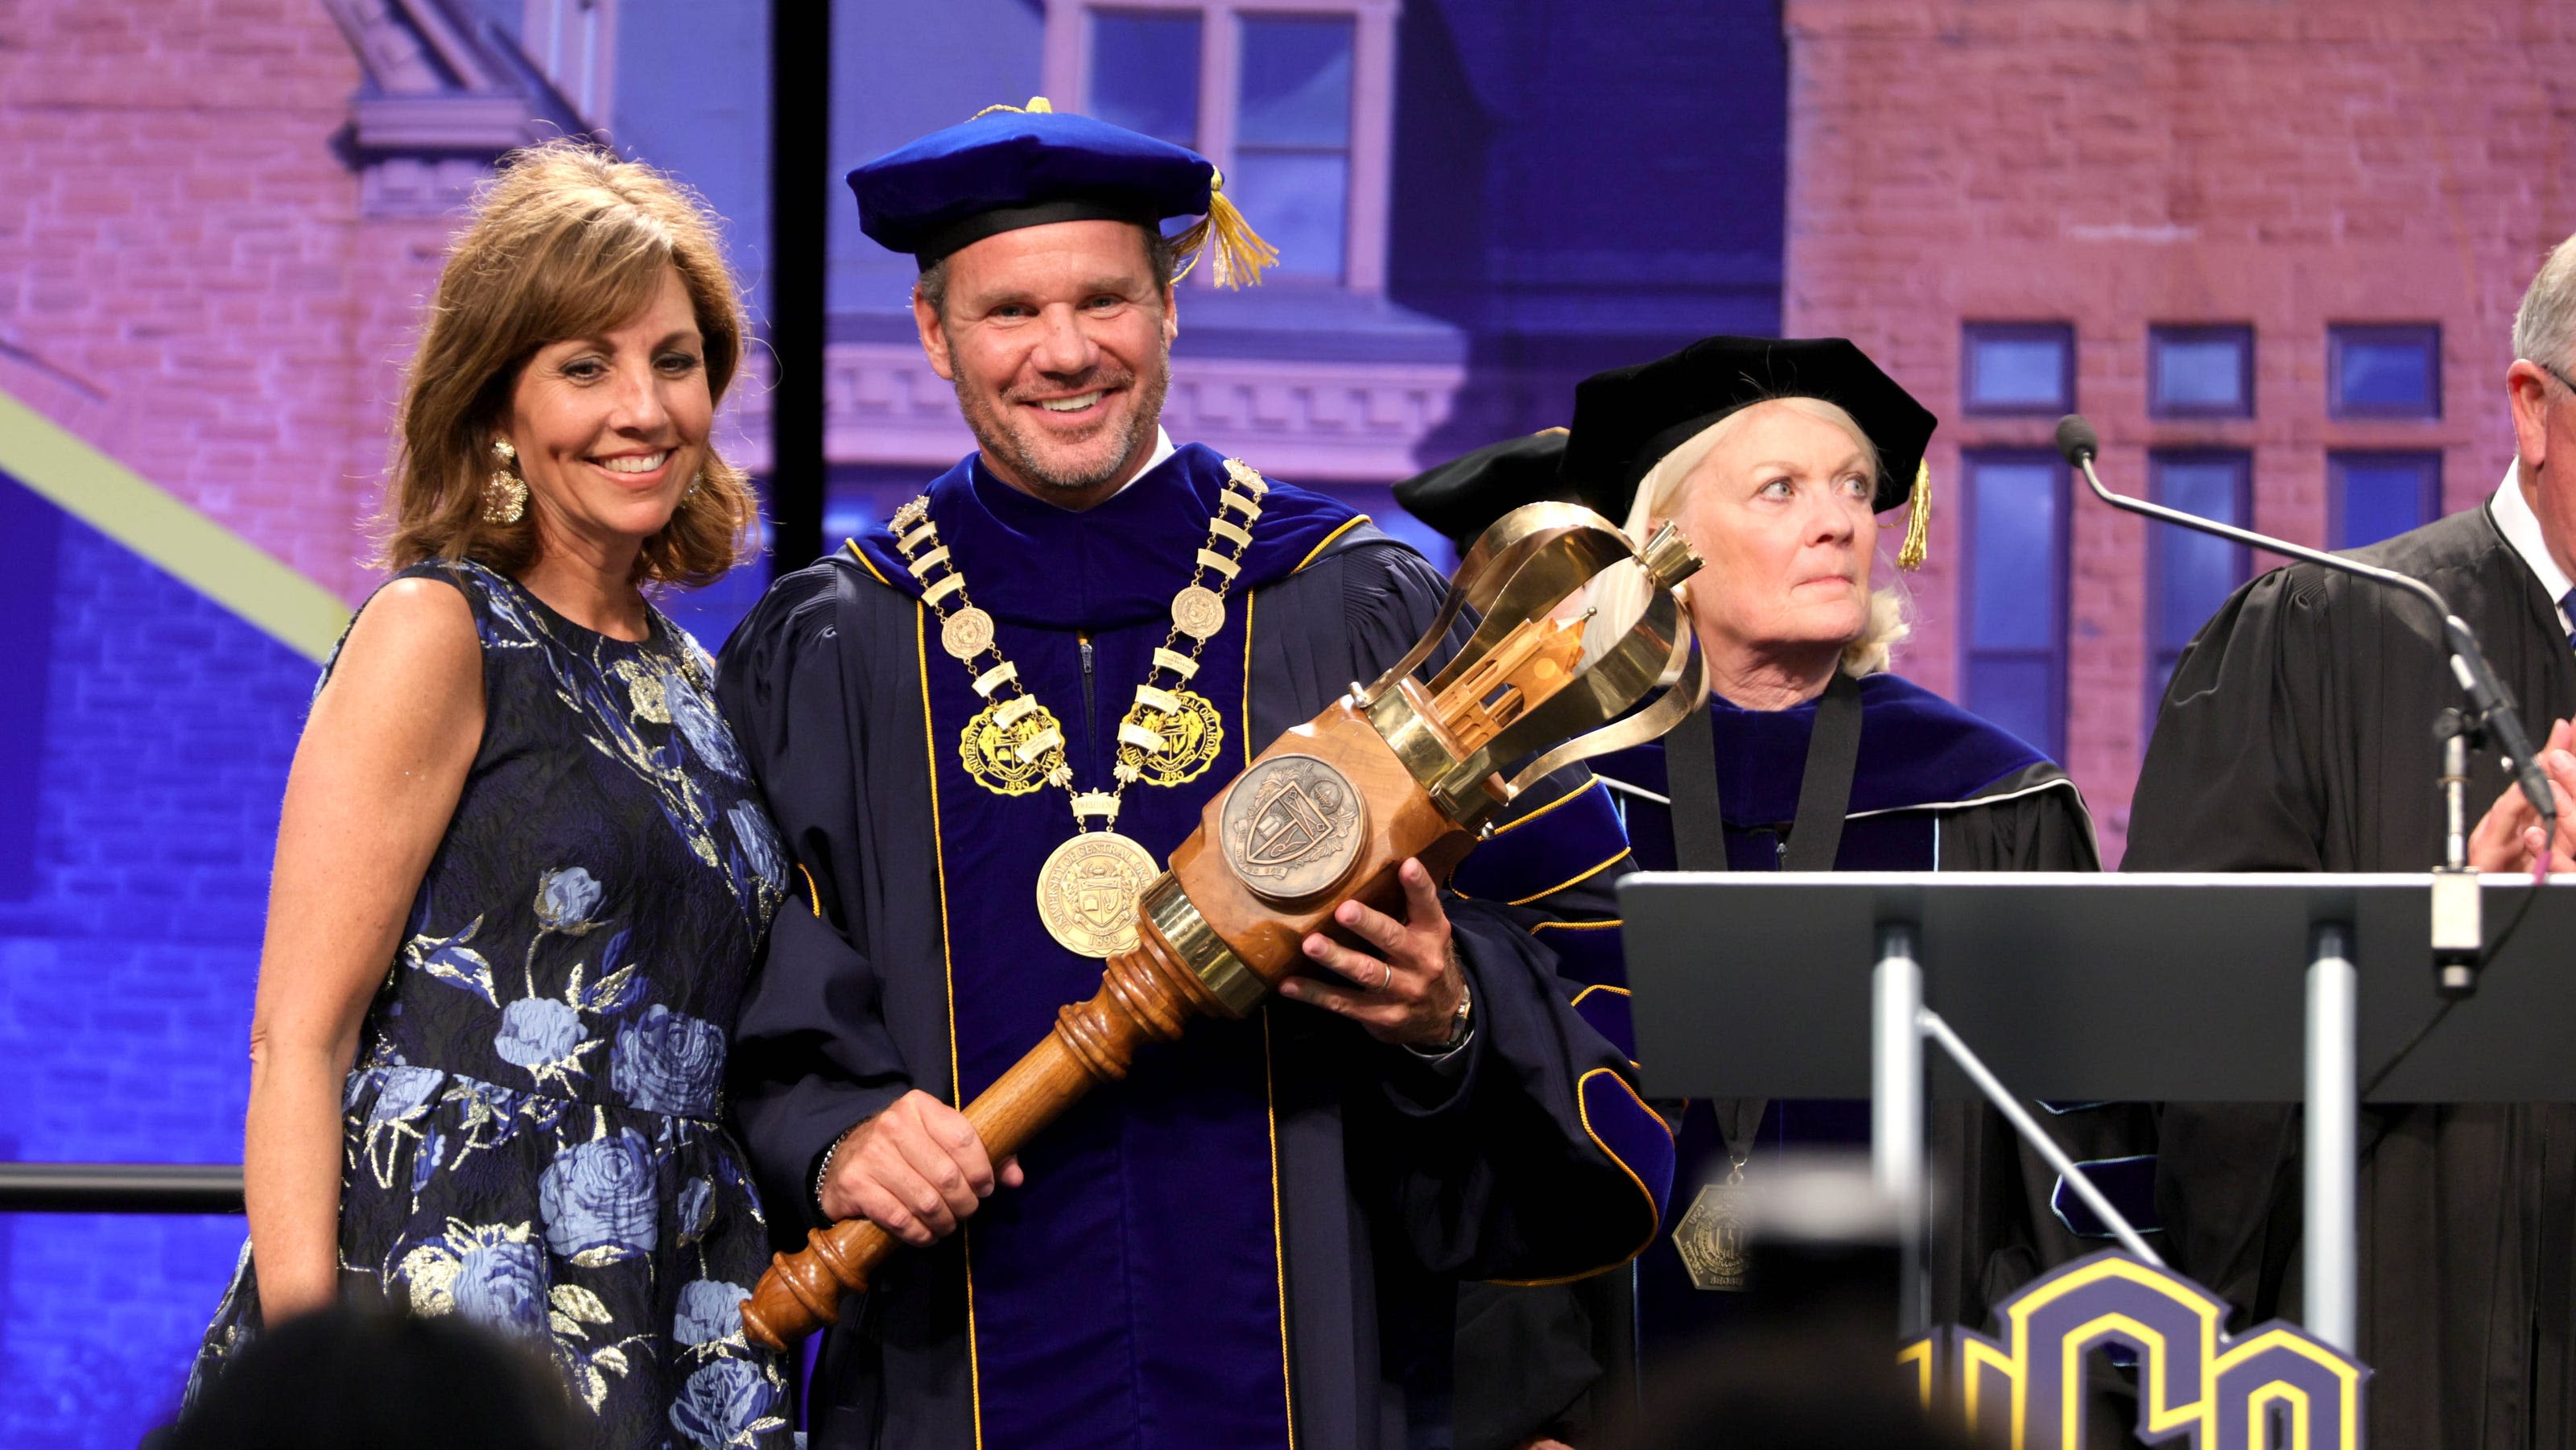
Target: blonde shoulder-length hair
(565,242)
(1618,595)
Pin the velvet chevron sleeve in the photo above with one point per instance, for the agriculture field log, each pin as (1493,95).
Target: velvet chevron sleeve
(1554,862)
(1547,1164)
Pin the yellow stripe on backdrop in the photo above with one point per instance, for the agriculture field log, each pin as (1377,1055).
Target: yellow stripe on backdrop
(201,553)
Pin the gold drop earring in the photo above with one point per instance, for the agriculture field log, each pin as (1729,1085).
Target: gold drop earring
(505,494)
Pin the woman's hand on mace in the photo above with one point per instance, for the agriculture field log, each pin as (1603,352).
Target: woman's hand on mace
(1406,993)
(916,1170)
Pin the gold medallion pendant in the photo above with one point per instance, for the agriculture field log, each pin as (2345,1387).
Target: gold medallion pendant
(966,633)
(1198,612)
(992,746)
(1087,892)
(1192,736)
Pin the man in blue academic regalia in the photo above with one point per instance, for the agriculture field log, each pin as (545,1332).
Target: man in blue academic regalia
(979,730)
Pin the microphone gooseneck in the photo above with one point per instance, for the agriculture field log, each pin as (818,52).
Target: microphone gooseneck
(2490,704)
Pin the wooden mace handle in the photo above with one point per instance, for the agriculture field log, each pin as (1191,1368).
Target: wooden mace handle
(1149,994)
(1146,995)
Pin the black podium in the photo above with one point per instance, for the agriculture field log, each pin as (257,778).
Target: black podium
(2239,988)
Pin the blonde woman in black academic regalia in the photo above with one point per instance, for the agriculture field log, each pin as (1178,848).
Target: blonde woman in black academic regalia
(1776,458)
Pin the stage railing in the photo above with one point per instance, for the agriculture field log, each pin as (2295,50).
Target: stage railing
(120,1188)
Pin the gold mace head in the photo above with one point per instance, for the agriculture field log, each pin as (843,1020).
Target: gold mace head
(1537,685)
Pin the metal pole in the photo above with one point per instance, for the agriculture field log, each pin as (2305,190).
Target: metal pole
(2334,1112)
(1896,1108)
(120,1188)
(2033,1134)
(800,197)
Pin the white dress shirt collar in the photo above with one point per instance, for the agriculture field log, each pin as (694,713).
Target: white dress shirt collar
(2521,528)
(1163,450)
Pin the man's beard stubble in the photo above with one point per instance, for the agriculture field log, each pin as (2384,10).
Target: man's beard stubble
(992,422)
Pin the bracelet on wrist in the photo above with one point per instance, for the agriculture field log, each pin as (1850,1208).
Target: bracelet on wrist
(823,1171)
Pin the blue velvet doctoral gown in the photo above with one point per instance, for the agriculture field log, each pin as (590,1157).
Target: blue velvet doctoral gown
(1264,1221)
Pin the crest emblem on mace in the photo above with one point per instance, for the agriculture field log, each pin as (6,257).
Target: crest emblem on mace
(1292,826)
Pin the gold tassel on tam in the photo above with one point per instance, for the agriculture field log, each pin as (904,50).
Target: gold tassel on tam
(1236,253)
(1918,520)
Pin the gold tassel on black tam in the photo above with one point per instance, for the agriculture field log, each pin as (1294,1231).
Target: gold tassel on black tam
(1918,520)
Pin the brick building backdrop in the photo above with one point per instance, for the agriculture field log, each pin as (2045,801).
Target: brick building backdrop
(217,221)
(2271,248)
(218,218)
(2369,173)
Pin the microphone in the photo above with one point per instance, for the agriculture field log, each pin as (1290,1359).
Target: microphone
(2077,440)
(2490,705)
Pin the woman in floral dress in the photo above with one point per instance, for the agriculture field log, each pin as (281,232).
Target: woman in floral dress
(522,870)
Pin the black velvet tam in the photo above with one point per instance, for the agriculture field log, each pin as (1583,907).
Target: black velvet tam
(1627,419)
(1462,496)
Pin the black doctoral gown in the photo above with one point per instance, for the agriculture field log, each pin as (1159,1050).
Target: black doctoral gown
(1935,788)
(1266,1219)
(2297,735)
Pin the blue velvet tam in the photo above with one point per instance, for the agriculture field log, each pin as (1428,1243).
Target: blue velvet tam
(1010,168)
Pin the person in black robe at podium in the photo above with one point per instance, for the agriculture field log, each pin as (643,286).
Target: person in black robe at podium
(981,730)
(2297,735)
(1776,457)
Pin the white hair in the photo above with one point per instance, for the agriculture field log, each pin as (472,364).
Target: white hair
(2544,326)
(1619,594)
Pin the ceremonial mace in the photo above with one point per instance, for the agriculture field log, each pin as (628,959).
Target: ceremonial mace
(1395,769)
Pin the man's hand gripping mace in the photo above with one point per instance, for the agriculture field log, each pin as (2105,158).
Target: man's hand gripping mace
(1399,768)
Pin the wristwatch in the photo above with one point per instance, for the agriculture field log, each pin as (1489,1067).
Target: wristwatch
(1461,1025)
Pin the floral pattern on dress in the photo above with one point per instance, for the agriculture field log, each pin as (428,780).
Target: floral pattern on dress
(532,1135)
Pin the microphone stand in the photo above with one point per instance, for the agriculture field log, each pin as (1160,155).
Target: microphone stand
(2458,934)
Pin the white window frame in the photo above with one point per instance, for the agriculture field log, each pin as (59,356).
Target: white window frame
(1067,74)
(573,44)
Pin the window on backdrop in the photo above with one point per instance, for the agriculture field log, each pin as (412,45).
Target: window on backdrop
(2017,367)
(2014,646)
(574,44)
(2375,496)
(1145,72)
(1279,95)
(2200,371)
(2190,575)
(2384,370)
(1292,138)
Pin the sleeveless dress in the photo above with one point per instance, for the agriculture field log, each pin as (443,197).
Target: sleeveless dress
(533,1132)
